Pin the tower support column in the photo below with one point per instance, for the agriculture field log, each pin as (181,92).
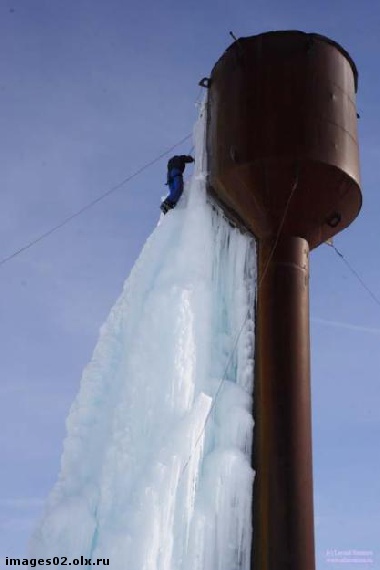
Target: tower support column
(283,520)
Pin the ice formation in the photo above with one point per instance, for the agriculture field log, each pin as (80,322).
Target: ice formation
(155,472)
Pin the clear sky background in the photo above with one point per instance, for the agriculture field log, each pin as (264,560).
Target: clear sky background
(89,92)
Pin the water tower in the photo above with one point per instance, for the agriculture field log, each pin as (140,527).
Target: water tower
(283,160)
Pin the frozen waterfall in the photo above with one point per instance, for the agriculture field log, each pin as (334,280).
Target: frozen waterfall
(156,472)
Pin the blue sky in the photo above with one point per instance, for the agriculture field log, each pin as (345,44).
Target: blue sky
(89,92)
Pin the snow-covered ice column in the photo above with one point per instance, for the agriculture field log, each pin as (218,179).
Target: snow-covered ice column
(156,472)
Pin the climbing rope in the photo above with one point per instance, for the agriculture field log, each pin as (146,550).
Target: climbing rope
(355,273)
(89,205)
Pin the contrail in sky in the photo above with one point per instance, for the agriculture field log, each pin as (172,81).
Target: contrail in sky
(343,325)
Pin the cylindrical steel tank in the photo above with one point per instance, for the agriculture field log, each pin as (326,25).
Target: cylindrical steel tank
(282,113)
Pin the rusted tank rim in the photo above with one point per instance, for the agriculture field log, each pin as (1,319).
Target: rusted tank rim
(311,36)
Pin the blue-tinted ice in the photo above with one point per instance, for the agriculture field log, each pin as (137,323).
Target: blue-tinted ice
(155,471)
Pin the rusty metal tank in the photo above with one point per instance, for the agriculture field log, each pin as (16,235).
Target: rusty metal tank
(282,120)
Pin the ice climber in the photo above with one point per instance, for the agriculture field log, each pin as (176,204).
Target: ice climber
(176,167)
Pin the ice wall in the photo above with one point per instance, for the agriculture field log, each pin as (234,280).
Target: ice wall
(155,471)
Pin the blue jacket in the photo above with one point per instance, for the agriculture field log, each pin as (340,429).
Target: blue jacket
(175,183)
